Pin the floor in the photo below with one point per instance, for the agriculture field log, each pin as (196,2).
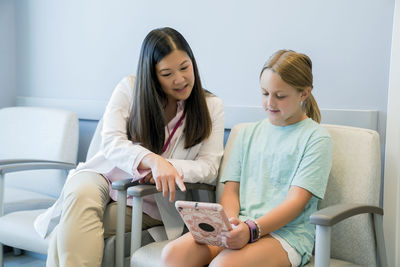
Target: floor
(31,260)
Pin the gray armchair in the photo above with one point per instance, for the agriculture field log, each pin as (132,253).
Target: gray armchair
(353,189)
(349,230)
(37,147)
(16,228)
(40,134)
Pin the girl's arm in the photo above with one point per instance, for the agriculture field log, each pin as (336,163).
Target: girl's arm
(230,199)
(296,200)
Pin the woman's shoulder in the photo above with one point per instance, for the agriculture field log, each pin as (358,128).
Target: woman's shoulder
(213,100)
(215,105)
(126,86)
(128,81)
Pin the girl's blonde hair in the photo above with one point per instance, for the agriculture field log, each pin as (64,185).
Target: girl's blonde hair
(296,70)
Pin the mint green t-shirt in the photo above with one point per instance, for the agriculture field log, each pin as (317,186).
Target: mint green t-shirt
(268,159)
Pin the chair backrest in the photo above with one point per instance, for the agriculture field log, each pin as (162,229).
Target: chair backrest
(95,143)
(355,178)
(38,133)
(228,147)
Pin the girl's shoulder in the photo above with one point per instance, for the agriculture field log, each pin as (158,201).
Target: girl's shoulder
(317,129)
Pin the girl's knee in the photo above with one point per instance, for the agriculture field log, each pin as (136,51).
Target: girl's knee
(226,259)
(170,254)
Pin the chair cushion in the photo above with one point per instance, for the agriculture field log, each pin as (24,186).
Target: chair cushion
(16,230)
(334,263)
(16,199)
(149,255)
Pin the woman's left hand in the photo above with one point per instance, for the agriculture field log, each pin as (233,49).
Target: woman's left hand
(238,237)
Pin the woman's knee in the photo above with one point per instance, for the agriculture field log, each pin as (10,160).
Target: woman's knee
(86,185)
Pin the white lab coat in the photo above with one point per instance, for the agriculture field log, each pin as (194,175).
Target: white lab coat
(199,163)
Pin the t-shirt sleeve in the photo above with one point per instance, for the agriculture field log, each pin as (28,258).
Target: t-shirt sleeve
(233,167)
(315,165)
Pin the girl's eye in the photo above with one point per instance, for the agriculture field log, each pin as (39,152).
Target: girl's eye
(166,74)
(265,93)
(280,97)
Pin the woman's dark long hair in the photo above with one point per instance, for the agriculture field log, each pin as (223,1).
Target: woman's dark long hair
(146,123)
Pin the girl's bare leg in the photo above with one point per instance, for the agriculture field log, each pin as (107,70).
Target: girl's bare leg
(265,252)
(185,251)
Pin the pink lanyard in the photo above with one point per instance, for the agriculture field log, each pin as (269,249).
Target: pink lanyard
(173,131)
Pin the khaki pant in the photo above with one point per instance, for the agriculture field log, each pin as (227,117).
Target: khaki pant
(87,218)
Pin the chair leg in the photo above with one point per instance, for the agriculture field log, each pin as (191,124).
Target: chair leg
(136,234)
(380,241)
(1,255)
(120,233)
(322,246)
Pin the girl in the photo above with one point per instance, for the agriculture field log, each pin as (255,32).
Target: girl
(160,127)
(277,171)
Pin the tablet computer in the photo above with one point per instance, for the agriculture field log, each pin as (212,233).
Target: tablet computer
(204,220)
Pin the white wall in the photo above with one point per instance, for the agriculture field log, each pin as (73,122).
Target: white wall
(392,166)
(81,49)
(7,54)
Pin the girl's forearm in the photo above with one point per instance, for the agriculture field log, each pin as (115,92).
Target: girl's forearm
(285,212)
(230,199)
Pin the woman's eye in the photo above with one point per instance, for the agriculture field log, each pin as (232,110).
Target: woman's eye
(280,96)
(184,68)
(166,74)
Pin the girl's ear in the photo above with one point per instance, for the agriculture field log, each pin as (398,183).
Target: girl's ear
(305,93)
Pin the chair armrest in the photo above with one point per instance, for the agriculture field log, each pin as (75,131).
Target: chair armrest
(200,186)
(336,213)
(9,161)
(141,190)
(124,184)
(25,165)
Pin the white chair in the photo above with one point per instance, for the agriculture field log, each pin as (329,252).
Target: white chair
(39,134)
(353,189)
(37,146)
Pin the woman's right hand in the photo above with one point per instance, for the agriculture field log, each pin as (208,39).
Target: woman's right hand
(164,174)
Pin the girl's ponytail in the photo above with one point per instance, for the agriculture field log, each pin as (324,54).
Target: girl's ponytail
(311,108)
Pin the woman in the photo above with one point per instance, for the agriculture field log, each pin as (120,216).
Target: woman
(160,127)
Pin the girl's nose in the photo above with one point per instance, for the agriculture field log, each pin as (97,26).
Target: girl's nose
(271,101)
